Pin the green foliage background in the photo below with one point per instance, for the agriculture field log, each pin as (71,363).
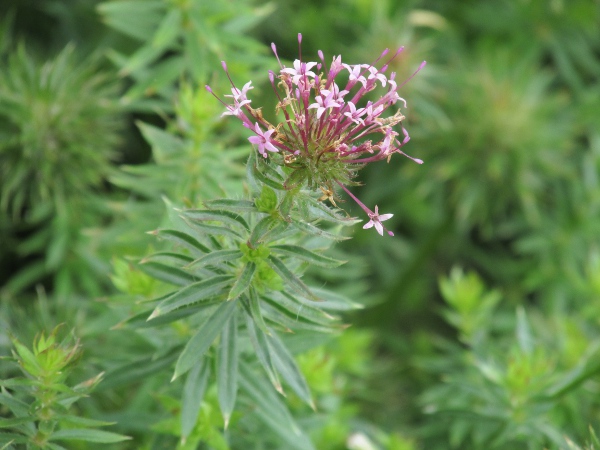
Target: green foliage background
(481,326)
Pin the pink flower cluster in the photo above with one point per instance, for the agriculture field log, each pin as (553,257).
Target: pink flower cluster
(328,124)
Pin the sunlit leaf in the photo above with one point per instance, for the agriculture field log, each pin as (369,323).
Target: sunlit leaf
(243,281)
(272,410)
(216,257)
(231,204)
(227,368)
(263,352)
(252,304)
(168,274)
(192,294)
(82,434)
(223,216)
(288,369)
(204,337)
(306,255)
(181,238)
(288,276)
(192,395)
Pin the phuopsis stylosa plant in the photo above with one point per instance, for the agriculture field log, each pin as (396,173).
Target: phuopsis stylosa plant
(236,265)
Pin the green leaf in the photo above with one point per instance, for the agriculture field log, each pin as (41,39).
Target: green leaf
(243,282)
(193,393)
(293,324)
(28,361)
(163,143)
(260,231)
(298,310)
(226,217)
(288,369)
(261,347)
(82,421)
(12,438)
(181,238)
(82,434)
(168,274)
(306,255)
(214,230)
(168,257)
(17,407)
(252,304)
(168,30)
(286,274)
(587,367)
(524,337)
(141,320)
(16,421)
(258,174)
(315,231)
(201,341)
(135,18)
(231,204)
(192,294)
(227,369)
(137,370)
(267,201)
(333,301)
(319,210)
(216,257)
(272,411)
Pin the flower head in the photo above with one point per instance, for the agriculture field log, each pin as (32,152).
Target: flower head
(328,132)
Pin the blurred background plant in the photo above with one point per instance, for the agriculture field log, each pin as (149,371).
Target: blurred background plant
(500,354)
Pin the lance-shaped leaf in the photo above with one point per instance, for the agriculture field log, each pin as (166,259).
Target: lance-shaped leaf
(289,324)
(334,301)
(81,421)
(272,411)
(231,204)
(214,230)
(204,337)
(227,369)
(253,183)
(252,305)
(243,282)
(289,305)
(259,175)
(141,320)
(288,369)
(168,257)
(319,210)
(312,230)
(181,238)
(192,294)
(168,274)
(587,367)
(137,370)
(260,230)
(216,257)
(87,435)
(287,275)
(263,352)
(306,255)
(225,217)
(193,393)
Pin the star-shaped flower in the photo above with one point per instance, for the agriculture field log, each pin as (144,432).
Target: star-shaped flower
(376,220)
(263,140)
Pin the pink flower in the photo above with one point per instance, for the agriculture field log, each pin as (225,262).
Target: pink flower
(324,101)
(263,140)
(376,220)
